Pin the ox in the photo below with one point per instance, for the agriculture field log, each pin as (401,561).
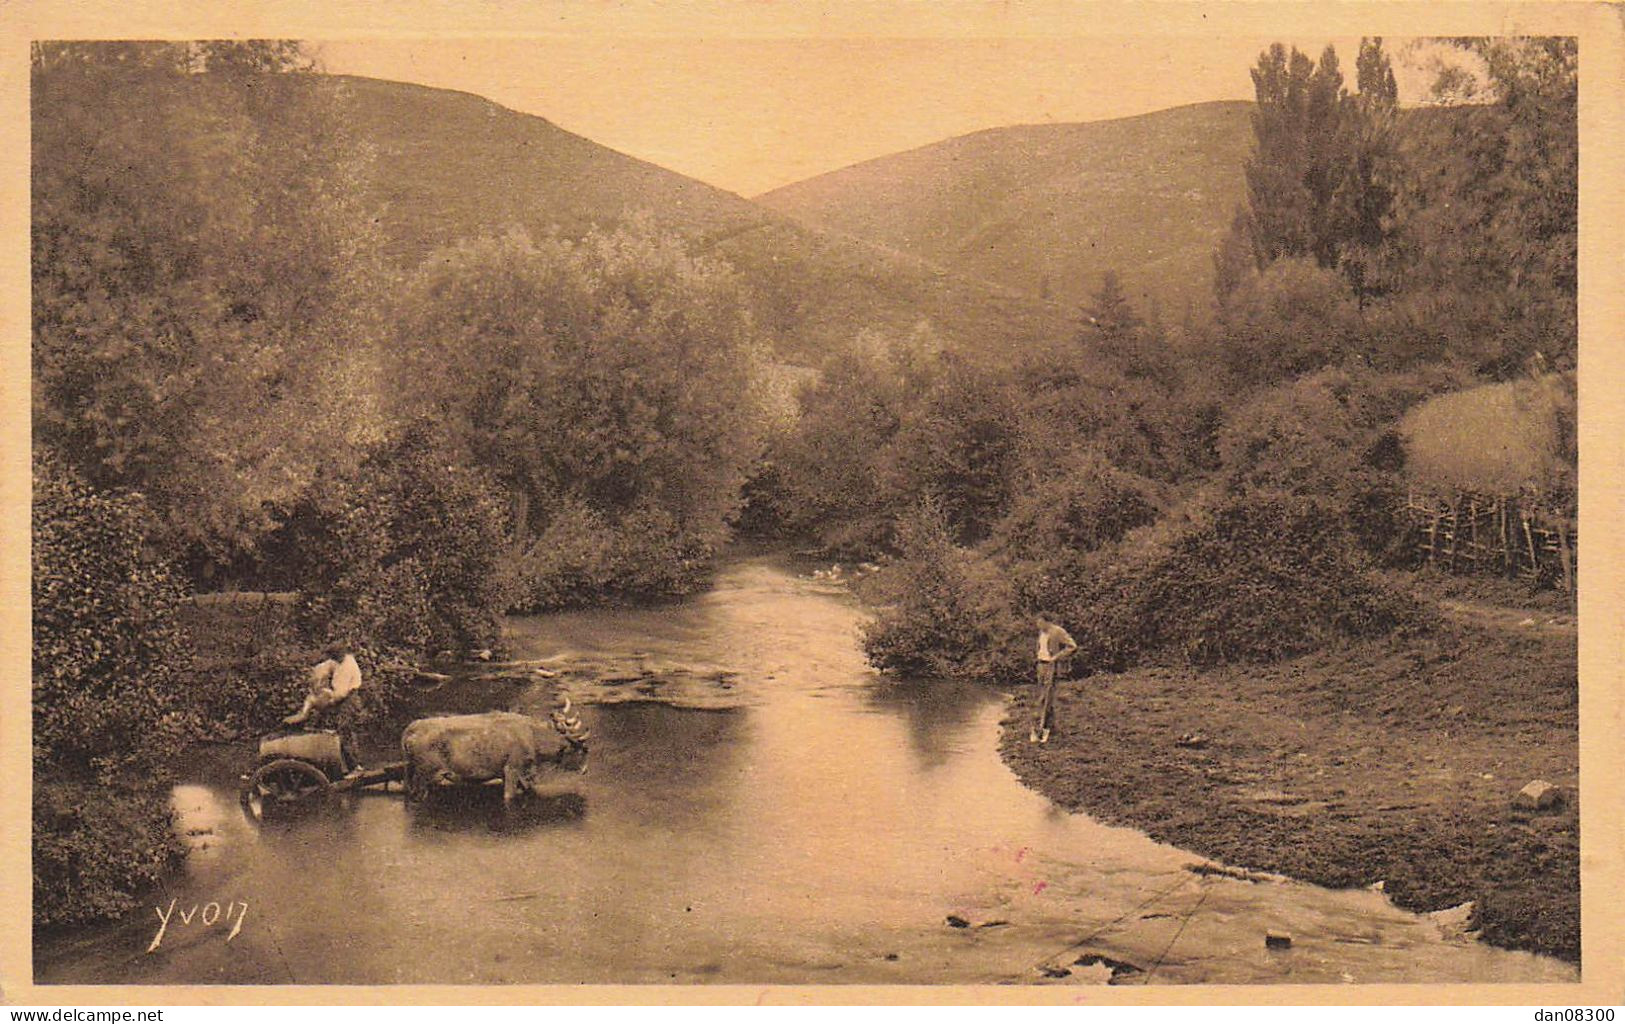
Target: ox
(496,745)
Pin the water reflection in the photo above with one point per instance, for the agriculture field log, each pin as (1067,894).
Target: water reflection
(480,809)
(936,711)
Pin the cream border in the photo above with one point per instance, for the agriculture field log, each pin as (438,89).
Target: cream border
(1602,116)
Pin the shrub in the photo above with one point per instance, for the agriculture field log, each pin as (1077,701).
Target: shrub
(447,521)
(582,557)
(97,846)
(1329,436)
(948,611)
(1292,318)
(410,553)
(107,699)
(1253,578)
(1079,506)
(106,642)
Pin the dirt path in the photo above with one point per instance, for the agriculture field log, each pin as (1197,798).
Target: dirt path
(1391,763)
(1492,616)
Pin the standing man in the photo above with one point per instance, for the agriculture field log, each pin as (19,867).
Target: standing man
(1055,647)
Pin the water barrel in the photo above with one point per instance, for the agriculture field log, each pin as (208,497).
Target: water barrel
(324,749)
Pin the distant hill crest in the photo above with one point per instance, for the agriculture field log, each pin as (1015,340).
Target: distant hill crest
(1045,209)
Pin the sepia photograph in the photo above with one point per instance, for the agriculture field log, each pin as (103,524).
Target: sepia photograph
(803,508)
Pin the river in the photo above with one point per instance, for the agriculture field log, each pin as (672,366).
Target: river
(823,828)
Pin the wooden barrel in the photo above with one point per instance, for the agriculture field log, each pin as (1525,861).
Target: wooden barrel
(324,749)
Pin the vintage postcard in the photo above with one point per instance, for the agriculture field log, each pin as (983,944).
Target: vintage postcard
(846,502)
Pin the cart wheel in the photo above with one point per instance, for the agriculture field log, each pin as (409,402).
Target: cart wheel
(285,783)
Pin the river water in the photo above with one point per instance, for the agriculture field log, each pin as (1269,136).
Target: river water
(822,829)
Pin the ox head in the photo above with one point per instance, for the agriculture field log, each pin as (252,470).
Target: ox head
(568,724)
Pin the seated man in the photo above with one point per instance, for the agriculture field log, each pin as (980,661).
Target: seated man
(330,683)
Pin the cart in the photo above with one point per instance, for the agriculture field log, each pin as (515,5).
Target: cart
(300,770)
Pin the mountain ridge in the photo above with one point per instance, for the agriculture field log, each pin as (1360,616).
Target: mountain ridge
(451,165)
(1046,208)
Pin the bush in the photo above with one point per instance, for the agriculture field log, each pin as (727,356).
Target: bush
(1292,318)
(948,611)
(582,558)
(106,642)
(1078,506)
(1254,578)
(98,845)
(107,699)
(410,553)
(1330,436)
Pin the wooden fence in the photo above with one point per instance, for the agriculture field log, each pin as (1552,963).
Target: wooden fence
(1509,536)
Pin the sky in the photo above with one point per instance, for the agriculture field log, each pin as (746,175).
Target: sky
(751,114)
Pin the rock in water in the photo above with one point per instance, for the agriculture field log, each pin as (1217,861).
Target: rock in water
(1537,796)
(955,921)
(1277,940)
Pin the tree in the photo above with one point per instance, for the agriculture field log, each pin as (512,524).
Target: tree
(1318,178)
(1236,258)
(198,258)
(1366,193)
(1115,335)
(832,465)
(615,372)
(957,447)
(1293,318)
(1110,315)
(1487,214)
(1285,161)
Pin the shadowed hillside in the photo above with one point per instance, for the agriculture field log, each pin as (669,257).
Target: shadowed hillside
(452,165)
(1046,209)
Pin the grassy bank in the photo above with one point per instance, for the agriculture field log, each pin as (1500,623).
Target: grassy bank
(1387,761)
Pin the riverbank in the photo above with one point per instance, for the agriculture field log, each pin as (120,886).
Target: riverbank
(1391,762)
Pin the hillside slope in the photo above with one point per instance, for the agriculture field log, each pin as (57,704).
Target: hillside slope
(451,166)
(1046,209)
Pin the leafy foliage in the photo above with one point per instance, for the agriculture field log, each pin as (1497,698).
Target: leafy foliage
(832,468)
(107,698)
(409,552)
(1250,578)
(197,256)
(1079,506)
(956,447)
(948,611)
(1320,178)
(616,374)
(1294,317)
(98,846)
(106,644)
(1487,215)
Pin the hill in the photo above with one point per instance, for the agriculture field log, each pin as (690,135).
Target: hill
(450,165)
(1046,209)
